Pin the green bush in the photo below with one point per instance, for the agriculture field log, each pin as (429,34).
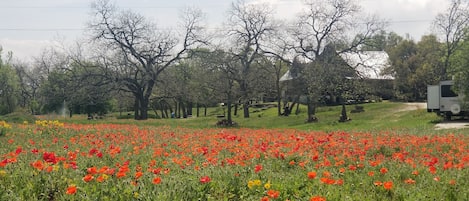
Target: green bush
(131,116)
(18,117)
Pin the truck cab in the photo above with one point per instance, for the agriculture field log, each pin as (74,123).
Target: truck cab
(442,100)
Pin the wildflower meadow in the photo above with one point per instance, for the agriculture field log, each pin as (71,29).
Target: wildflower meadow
(49,160)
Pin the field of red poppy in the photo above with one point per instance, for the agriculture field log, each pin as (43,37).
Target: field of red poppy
(55,161)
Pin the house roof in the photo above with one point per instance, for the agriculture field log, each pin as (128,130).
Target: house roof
(368,64)
(287,76)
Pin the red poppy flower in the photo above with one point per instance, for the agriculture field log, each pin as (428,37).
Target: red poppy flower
(205,179)
(258,168)
(49,157)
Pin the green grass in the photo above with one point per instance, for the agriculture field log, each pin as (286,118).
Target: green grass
(376,117)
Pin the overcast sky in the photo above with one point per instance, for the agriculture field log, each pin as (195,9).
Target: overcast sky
(27,26)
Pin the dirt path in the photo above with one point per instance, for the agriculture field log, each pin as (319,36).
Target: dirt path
(452,125)
(413,106)
(455,124)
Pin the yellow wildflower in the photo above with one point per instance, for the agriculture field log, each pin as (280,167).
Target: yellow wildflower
(267,185)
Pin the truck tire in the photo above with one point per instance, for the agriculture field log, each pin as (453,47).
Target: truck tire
(455,109)
(447,116)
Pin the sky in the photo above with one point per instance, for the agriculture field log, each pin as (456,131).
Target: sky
(29,26)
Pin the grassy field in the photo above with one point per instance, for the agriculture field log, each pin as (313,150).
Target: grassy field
(377,116)
(384,153)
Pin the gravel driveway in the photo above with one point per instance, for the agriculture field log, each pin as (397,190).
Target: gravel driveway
(455,124)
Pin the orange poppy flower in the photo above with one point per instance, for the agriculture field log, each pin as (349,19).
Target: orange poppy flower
(326,180)
(317,198)
(388,185)
(326,174)
(383,170)
(88,178)
(120,174)
(101,178)
(311,175)
(92,170)
(39,165)
(138,175)
(156,180)
(265,198)
(378,183)
(71,190)
(409,181)
(273,193)
(339,182)
(452,182)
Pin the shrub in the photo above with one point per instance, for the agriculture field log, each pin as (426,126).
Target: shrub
(18,117)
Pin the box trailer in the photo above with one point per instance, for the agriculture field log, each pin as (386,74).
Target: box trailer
(442,100)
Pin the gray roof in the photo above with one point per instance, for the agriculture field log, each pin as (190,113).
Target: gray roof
(287,76)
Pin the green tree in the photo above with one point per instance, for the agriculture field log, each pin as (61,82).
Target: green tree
(249,26)
(452,26)
(9,86)
(460,69)
(404,62)
(382,41)
(416,65)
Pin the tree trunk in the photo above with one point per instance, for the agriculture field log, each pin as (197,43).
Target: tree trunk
(278,88)
(183,109)
(235,109)
(177,110)
(168,106)
(228,107)
(163,112)
(143,109)
(190,105)
(311,111)
(279,106)
(198,109)
(136,109)
(246,109)
(205,110)
(286,109)
(297,111)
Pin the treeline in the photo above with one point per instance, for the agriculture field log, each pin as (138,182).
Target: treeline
(128,64)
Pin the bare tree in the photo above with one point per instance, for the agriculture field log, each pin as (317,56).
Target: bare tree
(249,26)
(329,22)
(142,50)
(453,25)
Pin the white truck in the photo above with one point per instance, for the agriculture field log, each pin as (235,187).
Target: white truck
(444,101)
